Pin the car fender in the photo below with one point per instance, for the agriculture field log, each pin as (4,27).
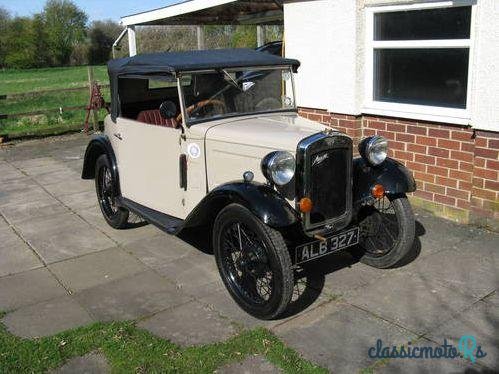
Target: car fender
(391,174)
(262,200)
(99,145)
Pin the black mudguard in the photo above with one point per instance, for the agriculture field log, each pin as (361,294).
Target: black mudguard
(99,145)
(391,174)
(263,201)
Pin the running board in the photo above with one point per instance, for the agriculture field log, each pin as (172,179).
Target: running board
(168,224)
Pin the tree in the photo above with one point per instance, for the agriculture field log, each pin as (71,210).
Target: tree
(65,27)
(102,35)
(19,44)
(4,25)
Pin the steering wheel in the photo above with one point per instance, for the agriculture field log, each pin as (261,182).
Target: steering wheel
(196,107)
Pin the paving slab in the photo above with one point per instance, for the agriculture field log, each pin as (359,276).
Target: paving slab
(73,184)
(133,233)
(62,236)
(46,318)
(196,275)
(136,296)
(251,365)
(96,268)
(338,336)
(59,174)
(21,211)
(80,200)
(159,250)
(15,254)
(23,194)
(34,163)
(468,272)
(27,288)
(436,234)
(92,363)
(416,301)
(40,166)
(480,321)
(189,324)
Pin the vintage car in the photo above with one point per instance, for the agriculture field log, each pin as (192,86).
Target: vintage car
(213,140)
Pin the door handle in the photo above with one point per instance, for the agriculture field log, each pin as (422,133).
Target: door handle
(118,135)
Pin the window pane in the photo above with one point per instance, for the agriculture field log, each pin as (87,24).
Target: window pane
(436,77)
(425,24)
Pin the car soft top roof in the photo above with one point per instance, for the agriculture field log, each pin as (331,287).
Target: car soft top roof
(177,62)
(174,62)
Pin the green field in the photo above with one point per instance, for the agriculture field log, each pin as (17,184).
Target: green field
(33,80)
(19,81)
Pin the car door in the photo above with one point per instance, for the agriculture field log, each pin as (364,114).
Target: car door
(149,165)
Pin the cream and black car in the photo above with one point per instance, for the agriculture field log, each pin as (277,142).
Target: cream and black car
(213,140)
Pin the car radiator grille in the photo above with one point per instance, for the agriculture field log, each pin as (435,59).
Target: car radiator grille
(329,181)
(324,174)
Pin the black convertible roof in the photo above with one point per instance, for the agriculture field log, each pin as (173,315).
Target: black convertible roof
(175,62)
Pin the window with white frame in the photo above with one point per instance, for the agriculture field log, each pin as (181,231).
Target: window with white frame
(419,58)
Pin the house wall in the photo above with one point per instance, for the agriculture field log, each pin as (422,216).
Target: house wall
(456,166)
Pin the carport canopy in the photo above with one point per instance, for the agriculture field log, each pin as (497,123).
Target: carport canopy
(206,12)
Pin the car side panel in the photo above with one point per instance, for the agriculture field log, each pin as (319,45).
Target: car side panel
(194,149)
(148,162)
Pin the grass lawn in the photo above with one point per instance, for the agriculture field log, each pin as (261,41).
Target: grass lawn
(132,350)
(19,81)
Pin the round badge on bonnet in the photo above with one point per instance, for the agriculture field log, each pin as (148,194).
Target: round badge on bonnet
(193,150)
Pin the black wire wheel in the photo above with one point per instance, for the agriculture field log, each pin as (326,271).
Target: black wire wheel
(386,231)
(114,215)
(253,261)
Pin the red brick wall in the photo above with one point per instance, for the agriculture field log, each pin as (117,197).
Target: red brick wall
(456,168)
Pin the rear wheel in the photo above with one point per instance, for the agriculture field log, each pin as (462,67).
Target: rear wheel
(105,187)
(253,261)
(386,231)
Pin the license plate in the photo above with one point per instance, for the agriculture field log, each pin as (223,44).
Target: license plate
(319,248)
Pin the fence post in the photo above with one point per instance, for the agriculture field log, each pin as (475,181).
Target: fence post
(93,113)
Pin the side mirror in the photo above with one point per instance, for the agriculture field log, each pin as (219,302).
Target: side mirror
(168,109)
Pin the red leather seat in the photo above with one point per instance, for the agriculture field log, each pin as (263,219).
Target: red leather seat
(153,117)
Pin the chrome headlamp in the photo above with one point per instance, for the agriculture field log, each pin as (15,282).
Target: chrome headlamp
(279,167)
(374,149)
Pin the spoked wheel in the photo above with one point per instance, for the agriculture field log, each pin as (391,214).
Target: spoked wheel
(386,231)
(115,216)
(253,262)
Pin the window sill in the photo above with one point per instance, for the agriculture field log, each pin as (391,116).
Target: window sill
(430,114)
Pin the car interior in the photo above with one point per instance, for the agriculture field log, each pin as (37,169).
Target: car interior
(154,100)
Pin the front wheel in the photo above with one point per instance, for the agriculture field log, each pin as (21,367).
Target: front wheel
(386,231)
(114,215)
(253,261)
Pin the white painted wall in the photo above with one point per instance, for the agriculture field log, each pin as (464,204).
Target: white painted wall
(322,35)
(327,36)
(485,89)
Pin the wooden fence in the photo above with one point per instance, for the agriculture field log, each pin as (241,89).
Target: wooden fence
(93,116)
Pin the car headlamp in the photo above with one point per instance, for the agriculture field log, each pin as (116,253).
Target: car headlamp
(279,167)
(374,149)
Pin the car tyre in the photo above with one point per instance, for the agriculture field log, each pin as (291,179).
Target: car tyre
(253,261)
(105,186)
(387,231)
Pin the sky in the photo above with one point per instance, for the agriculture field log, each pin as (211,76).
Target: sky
(95,9)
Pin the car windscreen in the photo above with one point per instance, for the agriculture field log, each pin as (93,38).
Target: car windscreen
(226,93)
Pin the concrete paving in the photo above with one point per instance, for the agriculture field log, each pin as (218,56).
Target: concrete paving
(62,266)
(252,365)
(92,363)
